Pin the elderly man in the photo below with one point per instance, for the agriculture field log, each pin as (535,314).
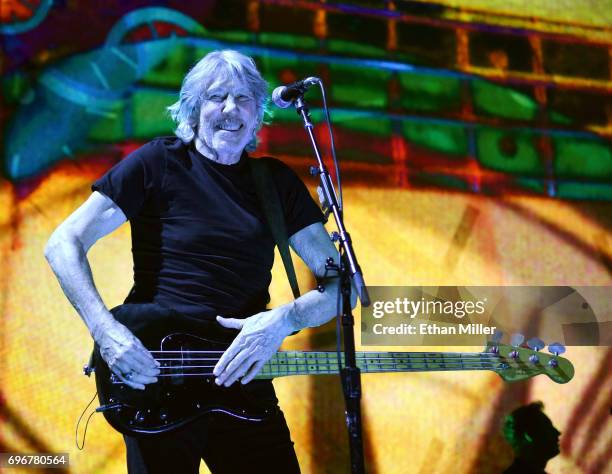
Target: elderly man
(202,254)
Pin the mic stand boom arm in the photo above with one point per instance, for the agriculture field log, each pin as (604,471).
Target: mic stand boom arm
(350,272)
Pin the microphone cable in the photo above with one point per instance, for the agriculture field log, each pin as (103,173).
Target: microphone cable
(332,146)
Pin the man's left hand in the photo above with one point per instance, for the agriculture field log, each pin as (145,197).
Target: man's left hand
(259,338)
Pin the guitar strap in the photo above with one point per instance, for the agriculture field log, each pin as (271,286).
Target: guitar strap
(271,205)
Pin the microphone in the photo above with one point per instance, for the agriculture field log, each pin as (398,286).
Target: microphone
(283,96)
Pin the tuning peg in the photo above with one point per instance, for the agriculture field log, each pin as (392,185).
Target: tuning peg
(535,343)
(496,339)
(516,339)
(556,348)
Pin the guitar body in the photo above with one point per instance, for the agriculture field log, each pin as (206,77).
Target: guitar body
(185,390)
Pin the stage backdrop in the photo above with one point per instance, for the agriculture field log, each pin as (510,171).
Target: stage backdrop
(474,141)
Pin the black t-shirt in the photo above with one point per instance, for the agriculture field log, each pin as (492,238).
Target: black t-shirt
(199,239)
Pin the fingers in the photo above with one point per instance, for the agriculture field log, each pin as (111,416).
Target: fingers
(130,383)
(236,368)
(231,323)
(137,381)
(132,377)
(145,361)
(253,371)
(127,357)
(225,359)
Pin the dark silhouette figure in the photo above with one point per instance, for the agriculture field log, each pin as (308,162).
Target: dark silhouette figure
(533,438)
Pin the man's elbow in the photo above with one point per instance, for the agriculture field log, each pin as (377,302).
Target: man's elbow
(52,247)
(57,243)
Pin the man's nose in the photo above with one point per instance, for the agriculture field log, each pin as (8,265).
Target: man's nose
(230,103)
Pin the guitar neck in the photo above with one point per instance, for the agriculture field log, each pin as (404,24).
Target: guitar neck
(326,362)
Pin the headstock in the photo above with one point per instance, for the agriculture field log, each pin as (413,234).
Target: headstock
(515,362)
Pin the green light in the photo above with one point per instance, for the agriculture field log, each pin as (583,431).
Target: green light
(232,35)
(597,191)
(581,158)
(502,101)
(288,41)
(429,93)
(170,72)
(355,49)
(109,129)
(449,139)
(149,113)
(536,185)
(509,151)
(359,87)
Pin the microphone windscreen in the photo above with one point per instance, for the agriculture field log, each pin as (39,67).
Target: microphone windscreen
(278,100)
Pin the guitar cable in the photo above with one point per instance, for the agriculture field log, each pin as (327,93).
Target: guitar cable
(76,432)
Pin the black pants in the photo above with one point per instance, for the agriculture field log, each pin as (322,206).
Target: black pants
(226,444)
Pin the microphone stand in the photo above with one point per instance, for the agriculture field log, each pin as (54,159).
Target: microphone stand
(350,273)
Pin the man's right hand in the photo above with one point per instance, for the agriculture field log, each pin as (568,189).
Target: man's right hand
(125,355)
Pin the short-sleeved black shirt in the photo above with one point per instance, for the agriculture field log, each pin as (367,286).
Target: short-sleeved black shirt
(199,239)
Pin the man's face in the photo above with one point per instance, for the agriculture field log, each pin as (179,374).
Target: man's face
(228,117)
(545,437)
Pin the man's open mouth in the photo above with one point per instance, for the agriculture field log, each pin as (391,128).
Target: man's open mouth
(229,126)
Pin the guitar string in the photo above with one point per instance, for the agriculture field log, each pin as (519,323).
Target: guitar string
(303,365)
(370,360)
(433,369)
(302,360)
(449,360)
(361,354)
(329,365)
(299,357)
(329,359)
(333,368)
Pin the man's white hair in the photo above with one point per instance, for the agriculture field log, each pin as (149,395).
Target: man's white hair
(226,64)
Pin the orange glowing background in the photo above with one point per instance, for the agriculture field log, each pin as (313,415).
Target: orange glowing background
(413,423)
(438,422)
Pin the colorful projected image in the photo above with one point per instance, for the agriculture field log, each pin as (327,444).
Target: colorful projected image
(473,140)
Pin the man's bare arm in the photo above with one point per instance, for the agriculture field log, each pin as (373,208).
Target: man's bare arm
(66,252)
(314,247)
(262,334)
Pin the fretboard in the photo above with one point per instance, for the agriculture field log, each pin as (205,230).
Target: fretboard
(326,362)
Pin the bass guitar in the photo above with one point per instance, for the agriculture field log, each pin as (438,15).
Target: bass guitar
(186,389)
